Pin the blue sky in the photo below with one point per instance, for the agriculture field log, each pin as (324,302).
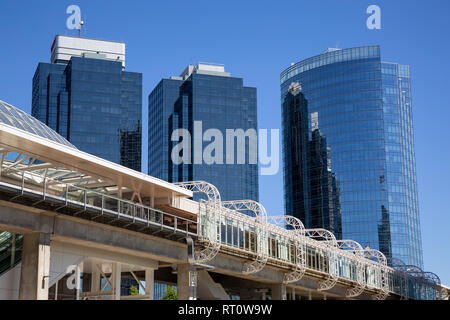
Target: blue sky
(256,40)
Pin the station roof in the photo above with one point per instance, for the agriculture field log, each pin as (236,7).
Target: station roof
(40,148)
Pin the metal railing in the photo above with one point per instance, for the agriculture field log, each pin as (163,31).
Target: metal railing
(102,205)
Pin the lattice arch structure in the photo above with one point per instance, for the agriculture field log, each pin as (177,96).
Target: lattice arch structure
(356,249)
(424,278)
(247,206)
(329,245)
(296,230)
(400,267)
(260,217)
(380,258)
(209,216)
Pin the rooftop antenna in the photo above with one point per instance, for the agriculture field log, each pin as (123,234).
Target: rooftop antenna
(79,29)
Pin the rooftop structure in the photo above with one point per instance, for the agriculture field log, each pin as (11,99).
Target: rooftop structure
(207,68)
(66,47)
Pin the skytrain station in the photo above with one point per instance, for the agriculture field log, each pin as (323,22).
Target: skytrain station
(75,226)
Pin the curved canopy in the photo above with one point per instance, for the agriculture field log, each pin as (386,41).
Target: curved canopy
(21,120)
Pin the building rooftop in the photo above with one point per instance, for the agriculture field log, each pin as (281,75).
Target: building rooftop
(214,69)
(66,47)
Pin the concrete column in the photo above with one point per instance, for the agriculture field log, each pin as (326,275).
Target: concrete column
(150,283)
(186,282)
(116,280)
(293,294)
(278,292)
(95,278)
(77,281)
(56,290)
(35,268)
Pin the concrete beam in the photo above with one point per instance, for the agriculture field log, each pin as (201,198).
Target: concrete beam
(142,247)
(91,234)
(64,245)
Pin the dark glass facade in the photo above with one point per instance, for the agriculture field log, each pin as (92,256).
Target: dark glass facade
(94,104)
(364,111)
(312,189)
(219,102)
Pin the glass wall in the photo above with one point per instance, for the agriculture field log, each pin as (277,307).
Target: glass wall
(364,110)
(94,104)
(219,102)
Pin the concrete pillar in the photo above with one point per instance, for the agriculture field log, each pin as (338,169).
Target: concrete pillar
(150,283)
(278,292)
(116,280)
(186,282)
(56,290)
(95,278)
(35,268)
(77,281)
(293,294)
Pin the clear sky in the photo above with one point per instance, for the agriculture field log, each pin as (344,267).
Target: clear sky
(256,40)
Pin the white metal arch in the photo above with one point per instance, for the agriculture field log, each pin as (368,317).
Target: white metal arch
(260,220)
(298,231)
(209,216)
(356,249)
(330,247)
(381,260)
(247,205)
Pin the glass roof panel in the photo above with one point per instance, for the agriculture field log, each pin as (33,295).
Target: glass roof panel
(21,120)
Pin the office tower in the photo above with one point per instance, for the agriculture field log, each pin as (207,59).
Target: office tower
(204,97)
(85,95)
(311,188)
(363,107)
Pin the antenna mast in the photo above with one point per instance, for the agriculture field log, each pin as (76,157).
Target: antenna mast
(79,29)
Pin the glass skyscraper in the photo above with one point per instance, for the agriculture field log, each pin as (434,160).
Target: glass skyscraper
(87,97)
(208,95)
(363,109)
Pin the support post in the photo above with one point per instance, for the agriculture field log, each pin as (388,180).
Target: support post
(95,278)
(13,250)
(186,282)
(279,292)
(150,283)
(116,280)
(77,281)
(34,276)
